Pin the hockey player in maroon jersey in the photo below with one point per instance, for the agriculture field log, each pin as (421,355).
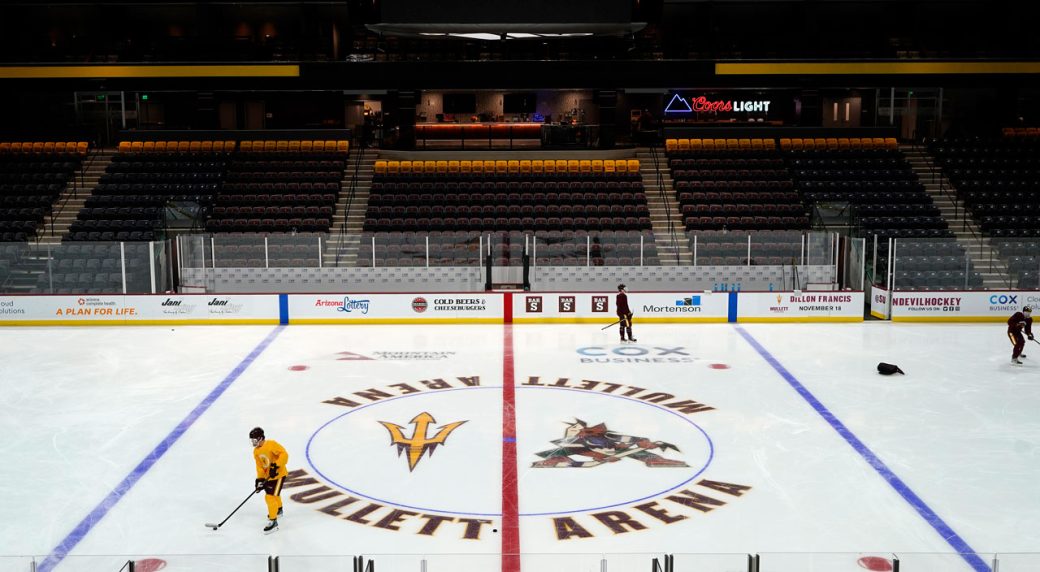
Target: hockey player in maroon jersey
(624,313)
(1020,322)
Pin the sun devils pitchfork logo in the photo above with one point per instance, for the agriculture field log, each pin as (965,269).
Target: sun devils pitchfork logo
(418,443)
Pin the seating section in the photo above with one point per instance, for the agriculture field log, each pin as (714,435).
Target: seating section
(934,264)
(529,196)
(255,186)
(996,179)
(96,269)
(128,202)
(32,177)
(875,179)
(768,248)
(1023,261)
(235,250)
(734,184)
(280,186)
(463,248)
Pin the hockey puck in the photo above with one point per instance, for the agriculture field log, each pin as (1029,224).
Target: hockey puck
(494,530)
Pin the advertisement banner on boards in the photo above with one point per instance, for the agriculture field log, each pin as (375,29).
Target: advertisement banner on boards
(447,307)
(647,307)
(142,309)
(879,298)
(806,306)
(953,306)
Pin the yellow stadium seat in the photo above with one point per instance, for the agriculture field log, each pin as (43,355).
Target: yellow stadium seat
(550,165)
(633,165)
(671,145)
(207,146)
(330,146)
(537,166)
(136,147)
(501,166)
(891,143)
(732,144)
(843,143)
(442,166)
(281,146)
(513,166)
(406,166)
(380,167)
(306,146)
(149,147)
(81,147)
(683,145)
(183,146)
(124,146)
(37,147)
(465,166)
(160,146)
(270,146)
(246,147)
(707,144)
(393,166)
(318,146)
(48,147)
(820,142)
(195,146)
(453,166)
(525,166)
(294,146)
(59,147)
(597,165)
(832,142)
(744,143)
(608,166)
(573,165)
(342,146)
(478,167)
(696,144)
(786,144)
(621,166)
(584,166)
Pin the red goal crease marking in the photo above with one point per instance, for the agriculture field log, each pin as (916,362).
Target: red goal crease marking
(510,496)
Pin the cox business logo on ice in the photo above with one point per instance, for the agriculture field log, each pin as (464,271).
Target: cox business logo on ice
(634,354)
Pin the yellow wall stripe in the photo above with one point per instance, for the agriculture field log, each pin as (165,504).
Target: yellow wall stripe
(364,321)
(876,68)
(801,320)
(948,319)
(639,320)
(70,72)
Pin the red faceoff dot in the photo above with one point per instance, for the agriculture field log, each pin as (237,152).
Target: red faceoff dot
(149,565)
(299,367)
(876,563)
(718,366)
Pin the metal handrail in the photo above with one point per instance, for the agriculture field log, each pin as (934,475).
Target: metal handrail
(351,193)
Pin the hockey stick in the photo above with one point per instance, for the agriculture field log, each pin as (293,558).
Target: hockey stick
(609,325)
(216,526)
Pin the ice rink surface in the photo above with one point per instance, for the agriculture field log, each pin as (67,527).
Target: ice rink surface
(698,440)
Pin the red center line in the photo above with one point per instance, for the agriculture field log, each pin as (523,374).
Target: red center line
(510,496)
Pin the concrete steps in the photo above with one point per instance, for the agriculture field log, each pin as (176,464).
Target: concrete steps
(348,217)
(68,205)
(672,246)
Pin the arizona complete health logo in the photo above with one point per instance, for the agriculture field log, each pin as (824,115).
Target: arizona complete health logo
(649,444)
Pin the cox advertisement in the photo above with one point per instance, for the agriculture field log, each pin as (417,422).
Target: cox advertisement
(651,307)
(446,307)
(806,306)
(988,306)
(117,309)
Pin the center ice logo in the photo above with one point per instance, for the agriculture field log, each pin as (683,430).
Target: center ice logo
(599,446)
(418,443)
(647,444)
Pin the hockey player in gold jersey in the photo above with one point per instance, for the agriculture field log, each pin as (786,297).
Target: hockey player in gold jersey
(270,459)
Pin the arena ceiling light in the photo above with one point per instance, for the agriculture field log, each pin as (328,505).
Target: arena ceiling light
(505,36)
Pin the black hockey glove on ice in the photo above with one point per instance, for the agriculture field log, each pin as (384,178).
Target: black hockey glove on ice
(272,472)
(259,484)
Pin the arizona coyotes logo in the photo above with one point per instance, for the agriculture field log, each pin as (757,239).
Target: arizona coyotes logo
(418,444)
(600,445)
